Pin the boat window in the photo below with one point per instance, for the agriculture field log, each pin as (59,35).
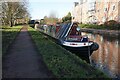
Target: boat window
(78,28)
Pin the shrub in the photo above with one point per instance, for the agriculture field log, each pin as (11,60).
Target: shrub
(112,24)
(93,26)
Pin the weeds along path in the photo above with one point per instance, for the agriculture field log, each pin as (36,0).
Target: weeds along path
(22,59)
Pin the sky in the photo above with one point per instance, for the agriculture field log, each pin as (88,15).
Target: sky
(40,8)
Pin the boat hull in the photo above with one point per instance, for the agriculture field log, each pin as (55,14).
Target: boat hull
(82,51)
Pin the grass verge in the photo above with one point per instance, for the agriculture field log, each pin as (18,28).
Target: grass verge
(93,26)
(8,35)
(62,63)
(102,26)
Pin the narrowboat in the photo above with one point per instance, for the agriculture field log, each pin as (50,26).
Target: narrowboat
(69,36)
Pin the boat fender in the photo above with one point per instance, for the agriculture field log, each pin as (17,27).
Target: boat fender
(94,46)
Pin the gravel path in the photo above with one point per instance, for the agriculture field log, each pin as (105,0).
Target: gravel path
(22,59)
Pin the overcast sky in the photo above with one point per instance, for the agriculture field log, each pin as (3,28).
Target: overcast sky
(40,8)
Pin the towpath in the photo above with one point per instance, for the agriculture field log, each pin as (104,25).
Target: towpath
(22,59)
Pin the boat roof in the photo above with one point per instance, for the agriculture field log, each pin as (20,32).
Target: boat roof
(64,30)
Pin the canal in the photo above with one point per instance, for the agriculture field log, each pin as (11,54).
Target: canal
(107,57)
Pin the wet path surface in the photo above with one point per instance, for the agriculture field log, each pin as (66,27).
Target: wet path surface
(22,59)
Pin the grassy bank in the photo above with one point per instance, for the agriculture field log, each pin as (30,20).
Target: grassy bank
(8,35)
(93,26)
(102,26)
(62,63)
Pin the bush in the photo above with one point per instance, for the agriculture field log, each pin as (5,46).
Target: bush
(93,26)
(112,24)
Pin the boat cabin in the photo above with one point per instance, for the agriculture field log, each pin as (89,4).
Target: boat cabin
(70,32)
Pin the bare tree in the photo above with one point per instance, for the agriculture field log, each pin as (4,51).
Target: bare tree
(12,11)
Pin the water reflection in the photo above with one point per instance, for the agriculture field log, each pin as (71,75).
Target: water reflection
(106,57)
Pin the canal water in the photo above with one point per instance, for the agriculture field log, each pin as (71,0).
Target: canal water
(107,57)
